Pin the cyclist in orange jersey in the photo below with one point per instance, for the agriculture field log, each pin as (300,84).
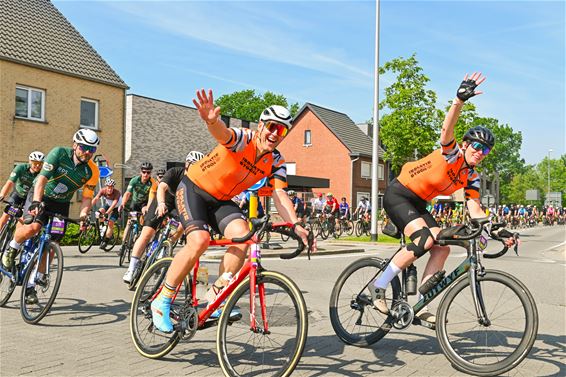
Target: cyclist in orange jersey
(203,197)
(440,173)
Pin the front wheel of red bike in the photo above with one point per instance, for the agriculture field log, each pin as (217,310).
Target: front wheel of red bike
(270,346)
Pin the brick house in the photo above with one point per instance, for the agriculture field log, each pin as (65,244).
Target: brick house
(163,133)
(328,144)
(53,82)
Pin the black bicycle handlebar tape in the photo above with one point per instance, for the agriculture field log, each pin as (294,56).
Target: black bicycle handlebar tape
(257,226)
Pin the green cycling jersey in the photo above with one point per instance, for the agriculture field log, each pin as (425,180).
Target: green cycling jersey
(65,178)
(22,178)
(140,191)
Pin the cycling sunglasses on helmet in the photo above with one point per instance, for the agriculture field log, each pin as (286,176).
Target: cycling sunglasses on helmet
(277,128)
(480,147)
(87,148)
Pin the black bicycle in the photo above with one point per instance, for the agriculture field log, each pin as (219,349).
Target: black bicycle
(7,231)
(486,323)
(130,239)
(95,232)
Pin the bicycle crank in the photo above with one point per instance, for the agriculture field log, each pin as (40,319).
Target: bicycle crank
(403,314)
(188,323)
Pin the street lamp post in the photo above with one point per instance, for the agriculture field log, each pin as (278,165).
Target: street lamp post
(548,191)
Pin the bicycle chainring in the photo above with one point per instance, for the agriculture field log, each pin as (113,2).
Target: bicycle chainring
(188,322)
(403,314)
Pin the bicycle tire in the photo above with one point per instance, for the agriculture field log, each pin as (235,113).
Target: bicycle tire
(324,231)
(5,236)
(337,230)
(141,325)
(358,228)
(291,313)
(7,286)
(115,237)
(349,227)
(29,313)
(347,304)
(125,249)
(87,238)
(517,351)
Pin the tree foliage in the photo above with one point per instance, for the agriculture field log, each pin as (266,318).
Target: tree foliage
(248,105)
(412,121)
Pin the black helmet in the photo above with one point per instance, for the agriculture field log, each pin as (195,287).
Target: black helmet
(481,134)
(146,166)
(160,171)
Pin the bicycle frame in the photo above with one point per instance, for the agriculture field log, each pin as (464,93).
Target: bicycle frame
(36,246)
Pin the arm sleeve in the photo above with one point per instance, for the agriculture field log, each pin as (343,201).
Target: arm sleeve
(239,138)
(278,176)
(472,189)
(451,151)
(153,189)
(17,172)
(51,163)
(132,183)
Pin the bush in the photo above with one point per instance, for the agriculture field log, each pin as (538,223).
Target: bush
(71,235)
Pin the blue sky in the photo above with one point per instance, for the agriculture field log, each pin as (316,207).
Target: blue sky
(323,52)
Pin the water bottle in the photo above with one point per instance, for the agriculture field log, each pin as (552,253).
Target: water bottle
(430,283)
(411,280)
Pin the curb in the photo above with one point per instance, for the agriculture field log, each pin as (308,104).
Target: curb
(279,253)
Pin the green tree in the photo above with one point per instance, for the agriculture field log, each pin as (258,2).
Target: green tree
(248,105)
(412,122)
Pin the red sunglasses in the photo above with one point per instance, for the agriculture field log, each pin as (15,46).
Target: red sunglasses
(277,128)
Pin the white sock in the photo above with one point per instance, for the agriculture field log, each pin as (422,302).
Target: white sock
(390,272)
(133,263)
(31,280)
(15,245)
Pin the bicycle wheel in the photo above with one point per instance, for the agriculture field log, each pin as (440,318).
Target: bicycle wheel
(352,314)
(125,249)
(115,237)
(358,228)
(324,230)
(275,352)
(487,350)
(45,286)
(149,341)
(7,287)
(348,227)
(88,238)
(337,230)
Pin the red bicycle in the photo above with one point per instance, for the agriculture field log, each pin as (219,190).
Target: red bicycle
(266,338)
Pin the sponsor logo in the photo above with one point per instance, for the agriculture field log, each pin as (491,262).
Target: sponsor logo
(249,166)
(12,174)
(47,166)
(420,168)
(60,188)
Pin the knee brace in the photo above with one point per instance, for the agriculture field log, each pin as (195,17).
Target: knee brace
(419,249)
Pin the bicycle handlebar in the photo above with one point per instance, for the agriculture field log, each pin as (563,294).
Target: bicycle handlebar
(259,225)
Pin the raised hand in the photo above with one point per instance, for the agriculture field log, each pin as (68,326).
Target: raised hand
(468,86)
(205,107)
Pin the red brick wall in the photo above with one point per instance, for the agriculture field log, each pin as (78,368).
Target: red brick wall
(327,157)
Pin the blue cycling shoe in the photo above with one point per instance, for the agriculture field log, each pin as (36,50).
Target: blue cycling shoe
(235,314)
(160,309)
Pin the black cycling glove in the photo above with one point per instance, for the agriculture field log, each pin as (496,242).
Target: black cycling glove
(466,89)
(36,205)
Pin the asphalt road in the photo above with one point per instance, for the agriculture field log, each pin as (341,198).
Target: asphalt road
(87,331)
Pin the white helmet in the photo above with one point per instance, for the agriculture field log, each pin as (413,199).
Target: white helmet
(194,156)
(86,137)
(277,114)
(109,182)
(36,156)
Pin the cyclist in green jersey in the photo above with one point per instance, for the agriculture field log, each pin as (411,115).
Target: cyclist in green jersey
(21,179)
(64,171)
(141,190)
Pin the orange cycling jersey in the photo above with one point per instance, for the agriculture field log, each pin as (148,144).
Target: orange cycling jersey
(441,173)
(235,166)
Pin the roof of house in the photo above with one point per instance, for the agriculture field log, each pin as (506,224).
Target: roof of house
(35,33)
(344,128)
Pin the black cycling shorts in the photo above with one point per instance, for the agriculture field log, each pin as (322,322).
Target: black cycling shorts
(198,209)
(151,219)
(403,206)
(136,207)
(49,206)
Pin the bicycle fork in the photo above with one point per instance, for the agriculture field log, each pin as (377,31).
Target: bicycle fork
(475,271)
(261,290)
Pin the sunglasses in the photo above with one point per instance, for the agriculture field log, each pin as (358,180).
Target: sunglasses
(277,128)
(146,171)
(480,147)
(87,148)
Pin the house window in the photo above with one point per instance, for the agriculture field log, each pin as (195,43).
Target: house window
(30,103)
(89,113)
(291,168)
(308,140)
(366,170)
